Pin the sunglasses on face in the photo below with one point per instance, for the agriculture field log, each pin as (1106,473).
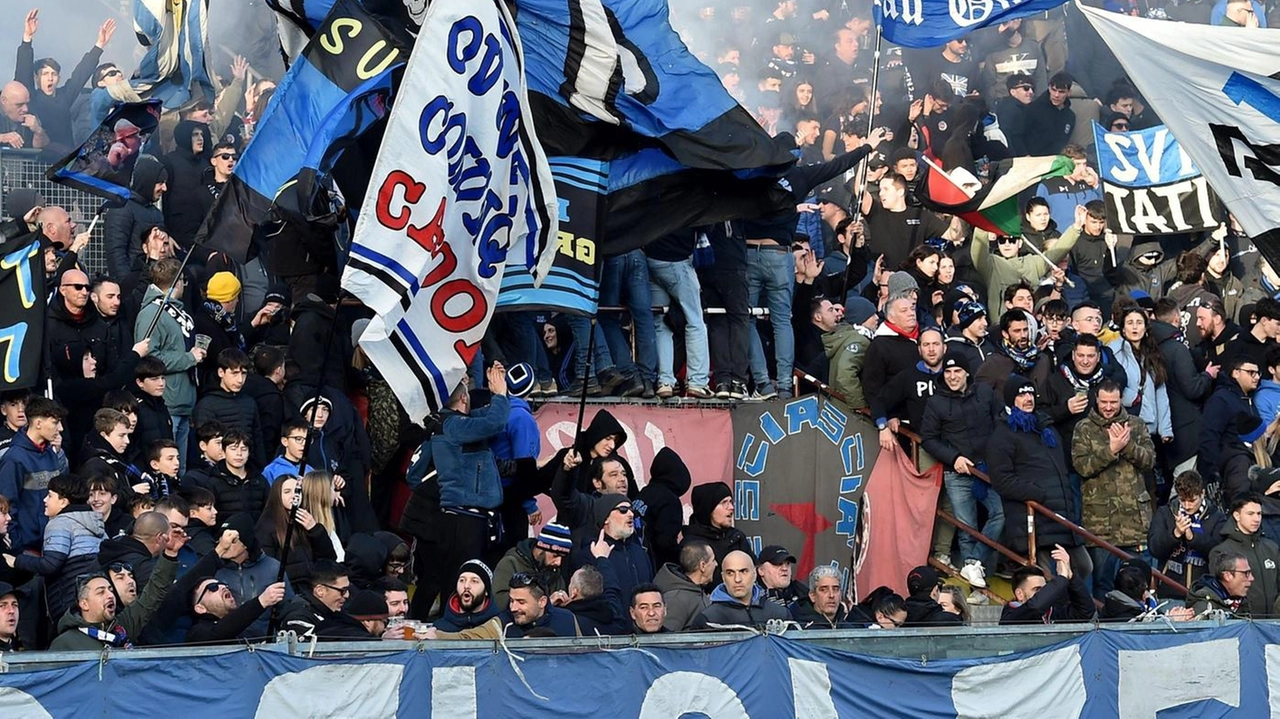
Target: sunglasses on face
(525,579)
(1009,240)
(225,156)
(111,73)
(210,588)
(344,591)
(75,286)
(623,510)
(120,567)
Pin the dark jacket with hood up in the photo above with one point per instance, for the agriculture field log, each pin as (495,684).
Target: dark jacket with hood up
(184,201)
(669,479)
(1187,388)
(124,224)
(705,498)
(312,318)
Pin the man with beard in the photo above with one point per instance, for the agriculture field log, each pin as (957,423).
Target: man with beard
(712,522)
(470,604)
(528,610)
(1066,394)
(627,556)
(219,617)
(573,507)
(1017,354)
(540,556)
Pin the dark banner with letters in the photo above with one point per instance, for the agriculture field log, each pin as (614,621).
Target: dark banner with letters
(800,470)
(21,310)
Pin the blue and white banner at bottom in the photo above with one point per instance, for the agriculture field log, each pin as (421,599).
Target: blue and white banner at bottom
(1224,671)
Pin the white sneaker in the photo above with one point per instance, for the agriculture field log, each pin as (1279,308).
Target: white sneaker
(973,573)
(944,559)
(977,599)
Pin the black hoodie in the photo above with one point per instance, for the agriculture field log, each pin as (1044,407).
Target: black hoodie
(187,192)
(669,479)
(124,225)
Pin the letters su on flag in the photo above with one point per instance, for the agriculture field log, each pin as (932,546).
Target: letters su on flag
(931,23)
(459,189)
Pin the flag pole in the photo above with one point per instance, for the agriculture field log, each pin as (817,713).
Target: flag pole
(582,401)
(168,295)
(861,176)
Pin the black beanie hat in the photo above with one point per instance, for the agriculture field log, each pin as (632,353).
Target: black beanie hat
(705,498)
(1016,385)
(480,569)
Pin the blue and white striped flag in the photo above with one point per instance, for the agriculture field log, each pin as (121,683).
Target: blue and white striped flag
(460,189)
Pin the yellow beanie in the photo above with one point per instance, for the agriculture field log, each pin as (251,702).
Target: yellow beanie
(223,287)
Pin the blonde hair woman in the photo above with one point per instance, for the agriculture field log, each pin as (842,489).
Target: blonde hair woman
(318,499)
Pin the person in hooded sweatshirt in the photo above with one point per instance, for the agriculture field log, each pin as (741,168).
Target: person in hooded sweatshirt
(712,521)
(1147,269)
(186,166)
(669,479)
(86,385)
(602,437)
(70,545)
(173,343)
(123,225)
(923,609)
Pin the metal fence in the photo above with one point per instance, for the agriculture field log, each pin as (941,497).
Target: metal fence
(25,169)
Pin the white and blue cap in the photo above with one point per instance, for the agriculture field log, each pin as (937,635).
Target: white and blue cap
(520,379)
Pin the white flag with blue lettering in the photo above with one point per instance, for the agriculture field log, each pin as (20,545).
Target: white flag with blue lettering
(1217,89)
(460,189)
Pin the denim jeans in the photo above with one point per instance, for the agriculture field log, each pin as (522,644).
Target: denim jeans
(600,360)
(676,284)
(772,272)
(626,277)
(182,438)
(960,489)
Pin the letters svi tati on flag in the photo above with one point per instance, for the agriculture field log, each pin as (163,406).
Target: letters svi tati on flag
(460,188)
(1215,87)
(1151,185)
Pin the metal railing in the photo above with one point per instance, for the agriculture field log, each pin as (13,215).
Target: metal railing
(24,169)
(1033,508)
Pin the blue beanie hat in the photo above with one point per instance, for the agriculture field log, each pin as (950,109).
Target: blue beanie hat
(556,538)
(520,379)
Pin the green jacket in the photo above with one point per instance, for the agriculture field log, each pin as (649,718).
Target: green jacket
(519,559)
(846,347)
(132,619)
(1116,505)
(1000,272)
(169,344)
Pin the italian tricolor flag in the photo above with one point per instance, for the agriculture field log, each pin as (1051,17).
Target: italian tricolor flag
(994,206)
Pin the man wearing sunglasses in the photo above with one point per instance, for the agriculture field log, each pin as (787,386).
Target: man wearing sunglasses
(319,613)
(70,322)
(219,618)
(216,176)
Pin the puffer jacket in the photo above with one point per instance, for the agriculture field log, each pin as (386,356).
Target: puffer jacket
(1153,398)
(1264,560)
(1022,468)
(725,610)
(669,480)
(123,225)
(1115,505)
(235,410)
(25,472)
(846,348)
(70,549)
(232,495)
(959,423)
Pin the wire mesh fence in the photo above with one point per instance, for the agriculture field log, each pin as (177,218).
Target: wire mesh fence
(25,169)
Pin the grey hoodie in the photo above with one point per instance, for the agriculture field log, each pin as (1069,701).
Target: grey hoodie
(684,599)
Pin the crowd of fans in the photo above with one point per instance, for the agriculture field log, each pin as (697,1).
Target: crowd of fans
(1131,386)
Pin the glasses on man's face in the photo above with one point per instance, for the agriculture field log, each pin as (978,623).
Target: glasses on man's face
(1245,572)
(525,579)
(78,287)
(120,567)
(113,72)
(225,156)
(344,591)
(623,510)
(303,438)
(1028,88)
(209,588)
(1251,372)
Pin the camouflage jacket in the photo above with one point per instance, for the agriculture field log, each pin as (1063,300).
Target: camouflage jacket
(1116,504)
